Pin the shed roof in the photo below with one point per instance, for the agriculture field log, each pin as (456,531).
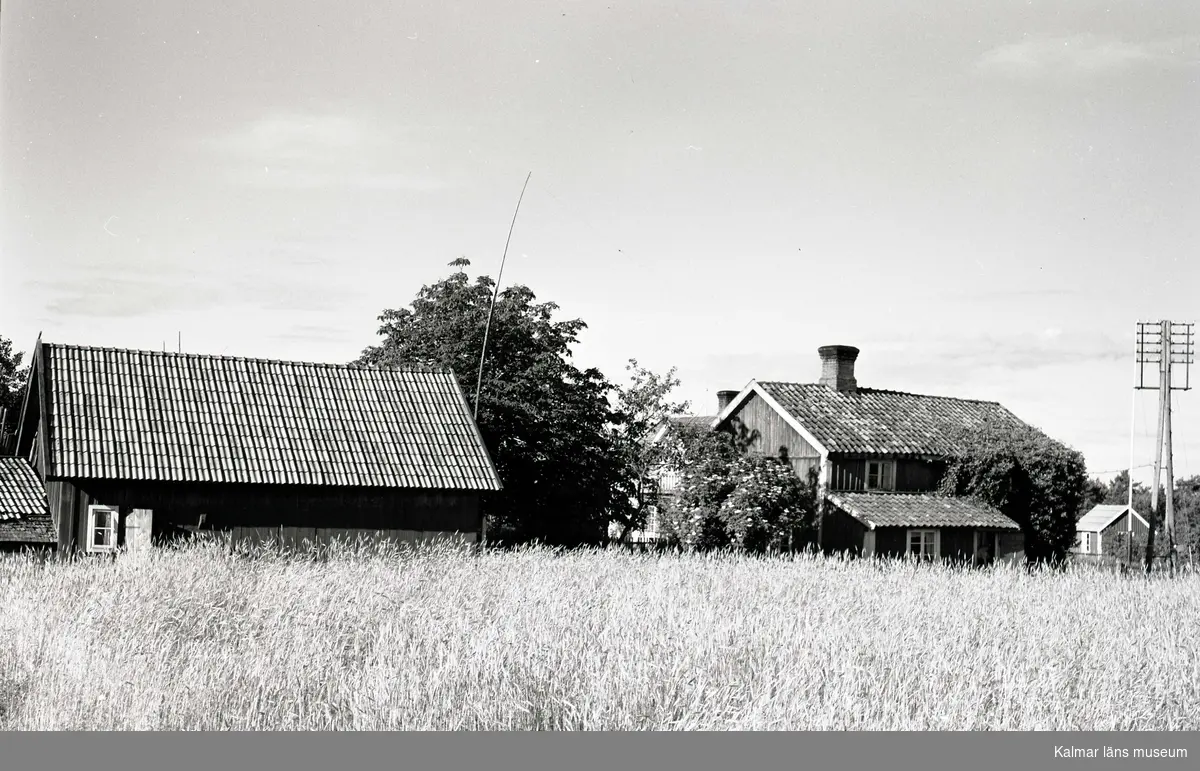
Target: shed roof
(150,415)
(873,421)
(1103,515)
(24,514)
(919,510)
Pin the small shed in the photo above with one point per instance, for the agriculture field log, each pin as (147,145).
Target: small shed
(1103,522)
(24,515)
(134,446)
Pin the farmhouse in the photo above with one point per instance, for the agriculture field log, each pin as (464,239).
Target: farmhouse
(133,446)
(879,456)
(1104,521)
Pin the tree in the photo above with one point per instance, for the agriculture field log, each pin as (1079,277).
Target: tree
(547,423)
(1035,481)
(642,407)
(702,459)
(770,507)
(729,497)
(12,390)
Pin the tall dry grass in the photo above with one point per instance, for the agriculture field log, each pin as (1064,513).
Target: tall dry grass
(442,639)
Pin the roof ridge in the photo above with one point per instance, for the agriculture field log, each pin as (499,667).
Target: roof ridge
(893,391)
(417,367)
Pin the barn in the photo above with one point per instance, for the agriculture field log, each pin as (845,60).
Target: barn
(1102,523)
(135,446)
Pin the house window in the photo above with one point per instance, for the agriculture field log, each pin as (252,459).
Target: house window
(881,475)
(102,529)
(923,543)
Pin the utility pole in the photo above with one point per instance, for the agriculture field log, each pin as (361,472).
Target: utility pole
(1166,344)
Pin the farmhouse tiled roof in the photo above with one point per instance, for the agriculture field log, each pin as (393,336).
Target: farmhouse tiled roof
(24,515)
(146,415)
(919,510)
(873,421)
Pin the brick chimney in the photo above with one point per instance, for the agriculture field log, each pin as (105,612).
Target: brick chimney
(837,367)
(724,398)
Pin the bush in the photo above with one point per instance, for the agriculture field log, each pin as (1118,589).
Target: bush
(729,498)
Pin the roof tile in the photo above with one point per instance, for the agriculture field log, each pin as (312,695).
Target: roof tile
(919,510)
(874,421)
(117,414)
(24,513)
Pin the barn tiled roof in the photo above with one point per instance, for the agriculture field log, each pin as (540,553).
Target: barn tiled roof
(919,510)
(24,515)
(146,415)
(1101,516)
(874,421)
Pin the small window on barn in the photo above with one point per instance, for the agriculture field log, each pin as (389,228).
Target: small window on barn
(881,475)
(102,529)
(923,543)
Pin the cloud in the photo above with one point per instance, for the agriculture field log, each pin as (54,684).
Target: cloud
(1025,351)
(292,178)
(88,295)
(1085,54)
(313,151)
(295,136)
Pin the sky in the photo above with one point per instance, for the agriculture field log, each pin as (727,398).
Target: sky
(983,197)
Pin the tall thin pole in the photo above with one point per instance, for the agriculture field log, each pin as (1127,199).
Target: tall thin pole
(1164,394)
(496,293)
(1132,434)
(1170,485)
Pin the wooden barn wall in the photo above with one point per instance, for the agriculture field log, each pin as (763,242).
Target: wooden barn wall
(912,475)
(1120,526)
(891,541)
(841,532)
(177,505)
(958,543)
(68,508)
(768,431)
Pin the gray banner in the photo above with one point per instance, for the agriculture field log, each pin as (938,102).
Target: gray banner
(692,751)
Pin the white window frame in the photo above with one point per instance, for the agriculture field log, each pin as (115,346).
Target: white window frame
(885,475)
(937,542)
(91,546)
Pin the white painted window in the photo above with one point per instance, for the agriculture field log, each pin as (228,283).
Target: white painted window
(881,475)
(924,543)
(102,529)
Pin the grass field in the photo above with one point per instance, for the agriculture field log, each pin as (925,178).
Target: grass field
(374,639)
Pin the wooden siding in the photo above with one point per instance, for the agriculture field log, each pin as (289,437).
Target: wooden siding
(912,475)
(891,541)
(958,543)
(841,532)
(767,431)
(175,507)
(1121,524)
